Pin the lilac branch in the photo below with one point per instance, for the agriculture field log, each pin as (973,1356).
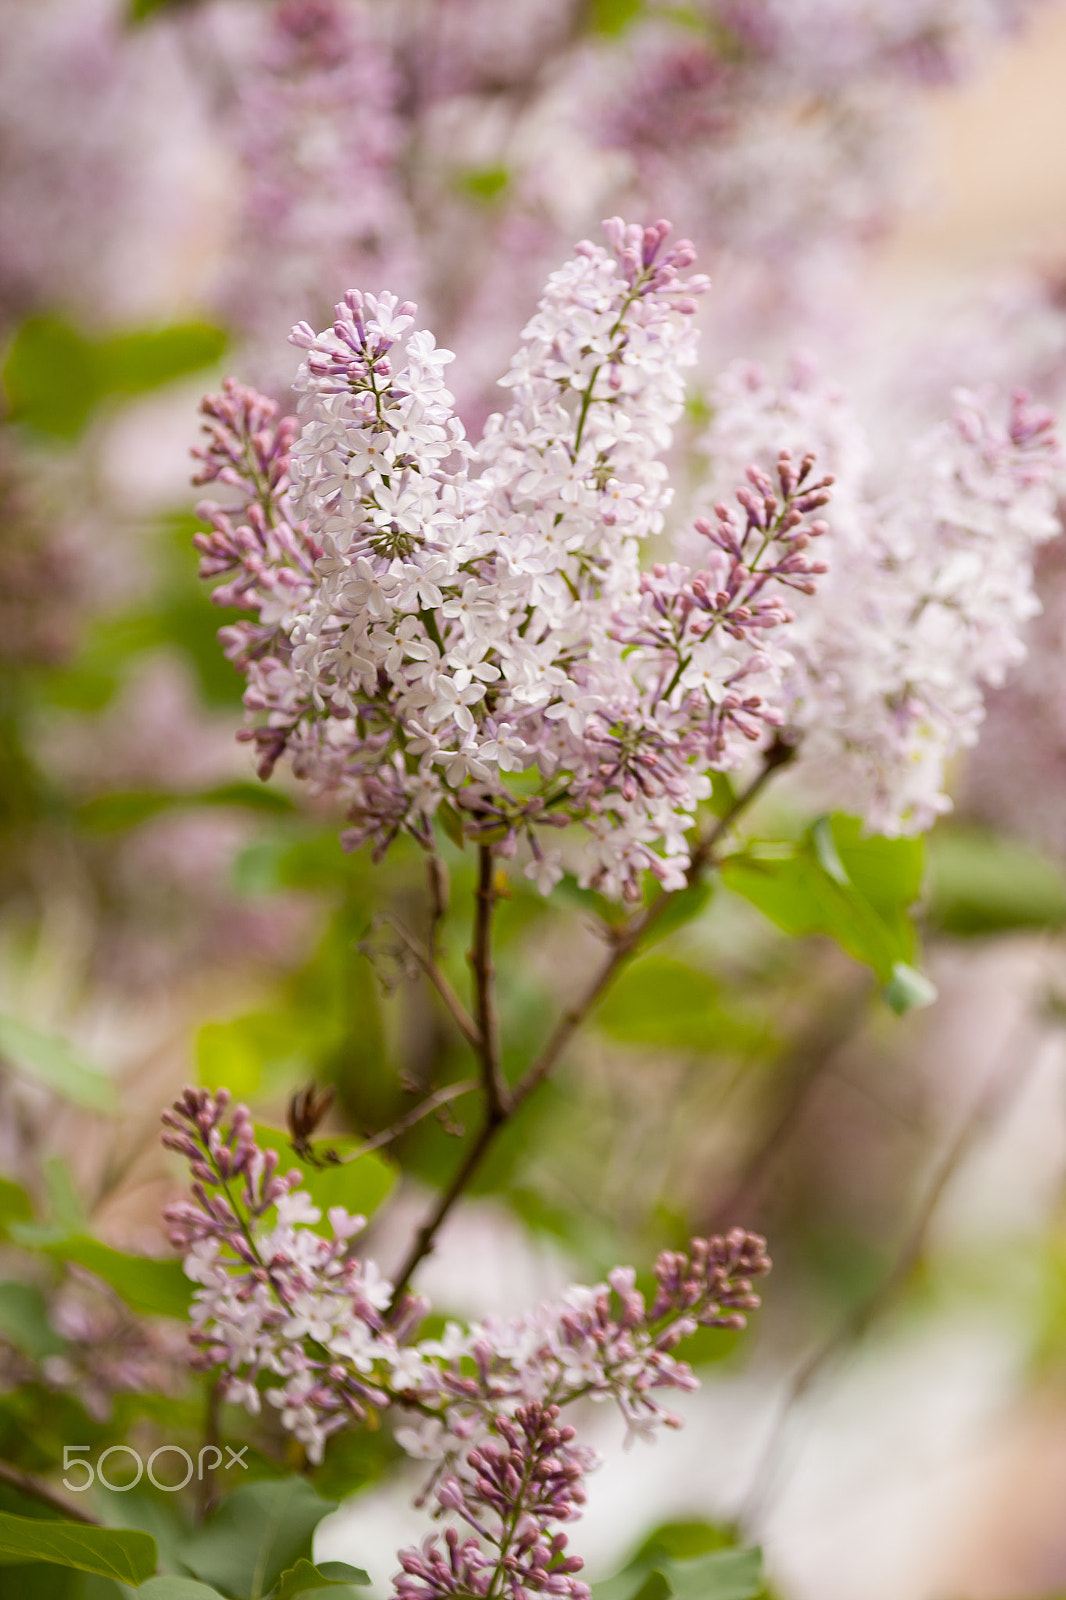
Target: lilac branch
(624,946)
(459,1014)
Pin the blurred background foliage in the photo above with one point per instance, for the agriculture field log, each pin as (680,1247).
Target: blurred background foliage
(768,1060)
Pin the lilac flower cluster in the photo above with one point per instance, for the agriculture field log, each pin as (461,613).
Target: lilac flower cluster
(107,1350)
(584,1346)
(476,632)
(515,1494)
(278,1300)
(779,121)
(929,586)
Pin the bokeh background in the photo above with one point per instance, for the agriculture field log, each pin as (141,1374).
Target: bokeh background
(879,188)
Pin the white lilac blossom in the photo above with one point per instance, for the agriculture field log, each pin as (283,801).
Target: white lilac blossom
(284,1311)
(275,1297)
(930,582)
(466,630)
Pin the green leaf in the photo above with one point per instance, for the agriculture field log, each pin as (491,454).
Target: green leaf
(614,16)
(656,1586)
(343,1572)
(42,1581)
(119,1553)
(55,1063)
(983,884)
(55,375)
(151,1287)
(486,184)
(167,1588)
(255,1536)
(889,872)
(141,10)
(113,813)
(681,1541)
(721,1574)
(856,890)
(359,1186)
(306,1579)
(669,1003)
(133,363)
(24,1321)
(684,906)
(14,1204)
(827,854)
(50,377)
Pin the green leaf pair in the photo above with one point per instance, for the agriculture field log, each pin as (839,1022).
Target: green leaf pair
(858,891)
(256,1547)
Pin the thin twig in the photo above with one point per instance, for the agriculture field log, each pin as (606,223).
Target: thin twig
(624,945)
(1001,1087)
(424,1239)
(35,1489)
(806,1058)
(207,1488)
(461,1017)
(437,889)
(424,1108)
(496,1106)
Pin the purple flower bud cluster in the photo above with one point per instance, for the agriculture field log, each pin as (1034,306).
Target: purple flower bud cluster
(282,1310)
(710,669)
(316,125)
(516,1486)
(107,1350)
(267,559)
(603,1341)
(779,124)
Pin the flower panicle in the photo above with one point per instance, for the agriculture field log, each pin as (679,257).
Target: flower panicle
(464,635)
(514,1491)
(285,1313)
(275,1299)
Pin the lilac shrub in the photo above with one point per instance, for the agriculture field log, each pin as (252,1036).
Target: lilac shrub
(480,638)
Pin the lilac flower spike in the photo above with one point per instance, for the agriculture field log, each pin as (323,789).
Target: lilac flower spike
(929,584)
(474,635)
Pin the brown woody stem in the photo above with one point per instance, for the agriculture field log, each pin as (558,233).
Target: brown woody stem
(34,1489)
(501,1107)
(496,1106)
